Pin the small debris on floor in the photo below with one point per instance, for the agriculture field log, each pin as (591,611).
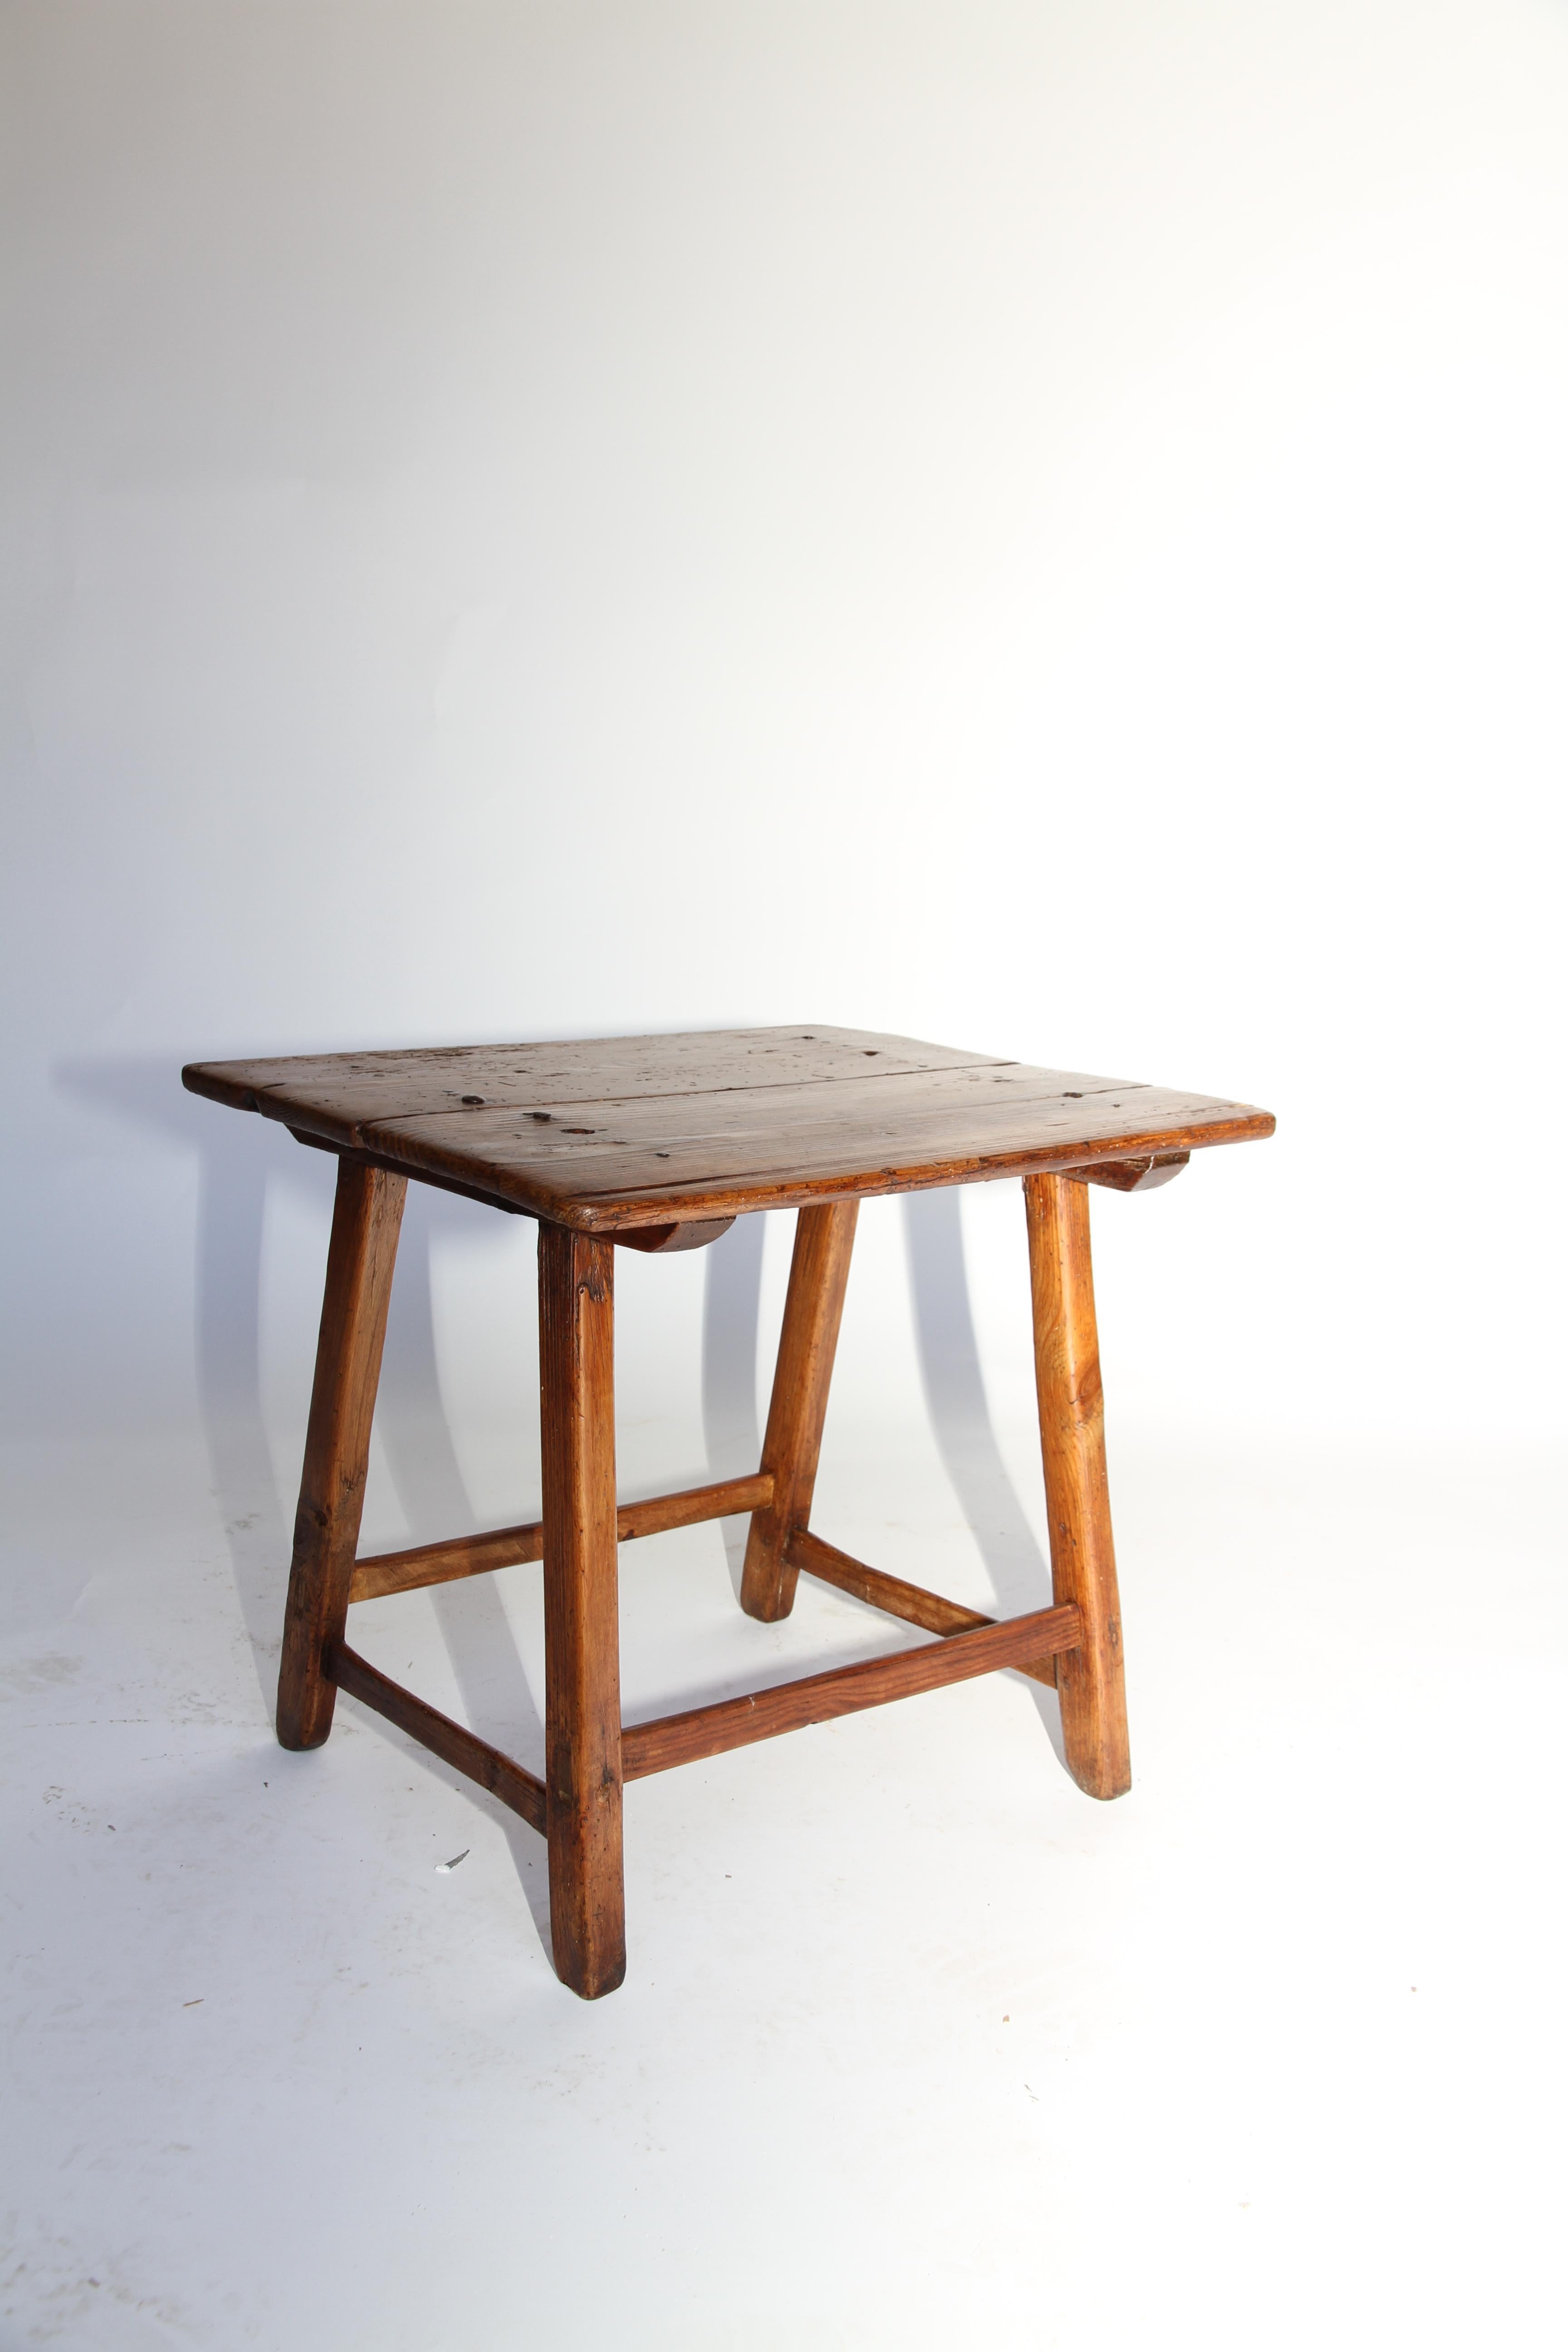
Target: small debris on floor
(456,1858)
(193,2004)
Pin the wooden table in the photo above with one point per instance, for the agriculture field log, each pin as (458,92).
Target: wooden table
(658,1144)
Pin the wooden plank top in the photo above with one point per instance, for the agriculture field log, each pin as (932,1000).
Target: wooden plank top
(608,1134)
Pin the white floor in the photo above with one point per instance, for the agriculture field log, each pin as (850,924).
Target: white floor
(917,2045)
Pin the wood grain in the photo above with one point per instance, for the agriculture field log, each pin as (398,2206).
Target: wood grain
(652,1241)
(333,1094)
(1072,1442)
(581,1657)
(638,1163)
(814,1307)
(910,1601)
(453,1742)
(657,1144)
(1138,1175)
(819,1699)
(670,1241)
(366,1216)
(480,1555)
(626,1136)
(421,1175)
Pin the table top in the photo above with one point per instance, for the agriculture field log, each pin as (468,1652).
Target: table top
(608,1134)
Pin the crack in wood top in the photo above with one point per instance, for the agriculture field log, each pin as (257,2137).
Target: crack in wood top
(612,1134)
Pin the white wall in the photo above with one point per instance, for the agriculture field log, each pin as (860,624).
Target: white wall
(1041,526)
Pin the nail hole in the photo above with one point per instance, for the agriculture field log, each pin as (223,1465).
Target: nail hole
(477,1101)
(542,1116)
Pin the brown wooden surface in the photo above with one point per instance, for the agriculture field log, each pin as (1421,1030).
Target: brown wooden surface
(582,1659)
(616,1134)
(910,1601)
(658,1143)
(336,1094)
(399,1167)
(1138,1175)
(453,1742)
(819,1699)
(366,1214)
(814,1307)
(1077,1502)
(652,1241)
(670,1241)
(480,1555)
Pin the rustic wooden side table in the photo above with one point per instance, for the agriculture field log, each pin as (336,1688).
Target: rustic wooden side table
(658,1144)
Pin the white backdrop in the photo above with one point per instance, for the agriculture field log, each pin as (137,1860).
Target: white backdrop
(1040,527)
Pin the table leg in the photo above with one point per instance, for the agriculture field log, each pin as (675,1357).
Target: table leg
(582,1654)
(366,1216)
(813,1307)
(1073,1440)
